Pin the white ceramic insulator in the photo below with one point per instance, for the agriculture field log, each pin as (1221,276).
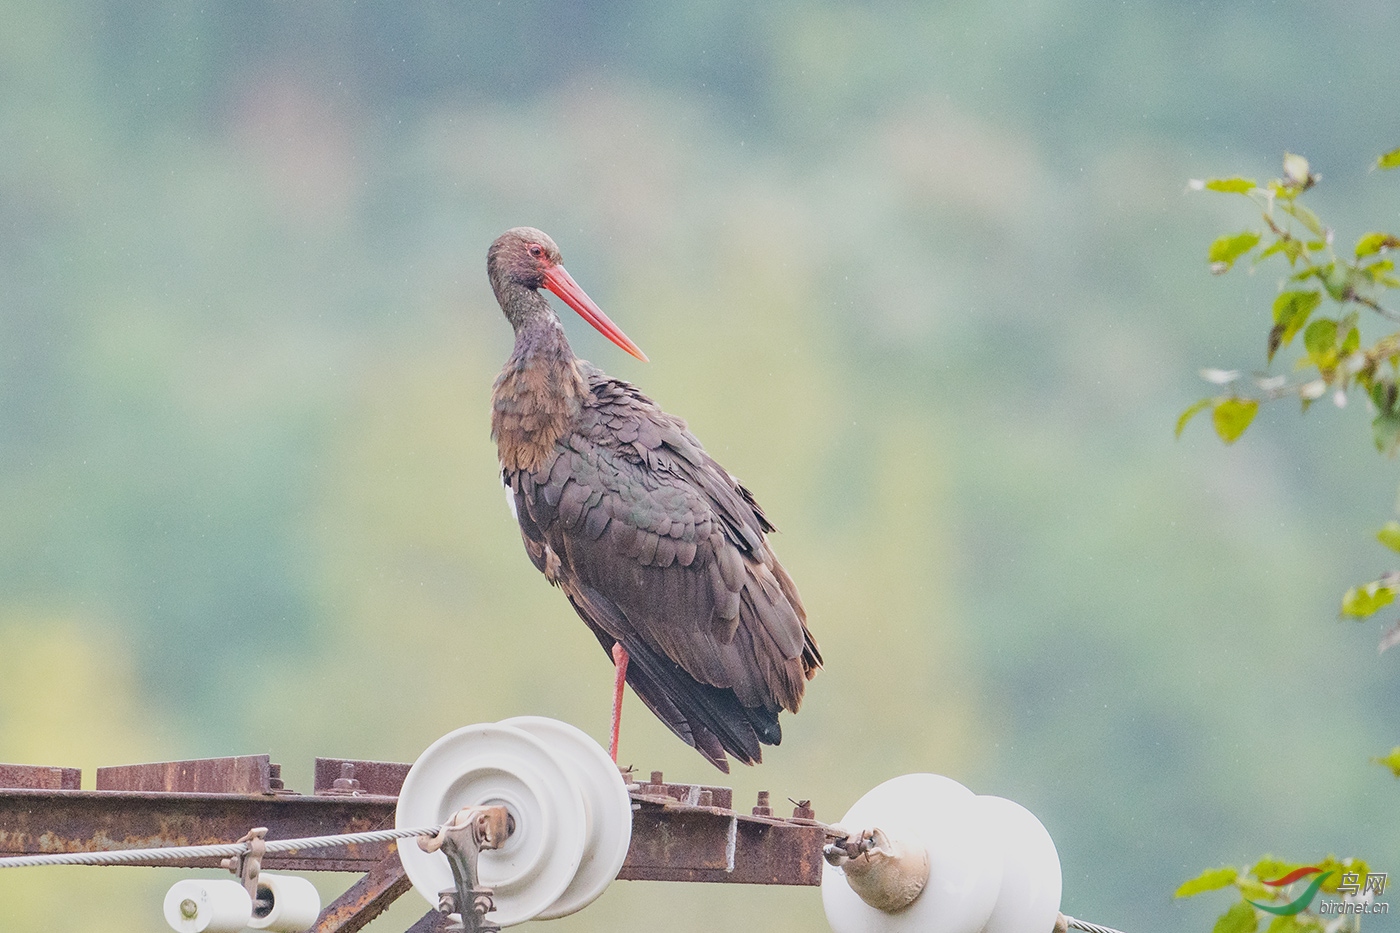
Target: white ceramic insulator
(496,765)
(965,860)
(1029,900)
(606,804)
(295,904)
(196,905)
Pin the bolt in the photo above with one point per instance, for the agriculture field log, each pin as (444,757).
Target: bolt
(802,810)
(274,777)
(762,808)
(346,781)
(345,785)
(189,909)
(656,777)
(706,798)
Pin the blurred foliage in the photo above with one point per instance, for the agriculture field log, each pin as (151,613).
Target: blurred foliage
(1334,362)
(905,268)
(1285,894)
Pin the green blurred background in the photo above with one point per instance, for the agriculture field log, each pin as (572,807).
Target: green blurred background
(925,276)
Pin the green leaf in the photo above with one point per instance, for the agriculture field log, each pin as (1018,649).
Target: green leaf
(1383,395)
(1306,217)
(1373,243)
(1232,185)
(1212,879)
(1320,336)
(1291,311)
(1225,250)
(1289,246)
(1190,413)
(1232,416)
(1390,160)
(1385,431)
(1338,280)
(1391,761)
(1289,305)
(1362,601)
(1390,535)
(1240,918)
(1377,270)
(1351,342)
(1269,868)
(1337,866)
(1255,891)
(1298,923)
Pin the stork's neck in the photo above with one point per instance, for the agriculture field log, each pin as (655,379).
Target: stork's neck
(539,394)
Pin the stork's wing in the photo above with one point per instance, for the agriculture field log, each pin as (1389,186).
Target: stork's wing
(659,548)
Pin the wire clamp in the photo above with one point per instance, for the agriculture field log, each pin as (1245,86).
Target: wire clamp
(247,865)
(463,838)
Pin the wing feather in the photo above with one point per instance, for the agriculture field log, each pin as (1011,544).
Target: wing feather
(661,549)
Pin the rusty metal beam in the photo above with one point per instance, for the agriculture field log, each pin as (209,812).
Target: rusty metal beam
(40,777)
(366,898)
(701,795)
(244,774)
(672,840)
(365,777)
(35,821)
(431,922)
(678,842)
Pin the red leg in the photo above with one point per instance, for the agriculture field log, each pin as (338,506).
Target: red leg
(619,654)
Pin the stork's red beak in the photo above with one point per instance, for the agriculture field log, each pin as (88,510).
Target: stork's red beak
(557,280)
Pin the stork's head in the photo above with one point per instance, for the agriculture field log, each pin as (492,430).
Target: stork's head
(526,257)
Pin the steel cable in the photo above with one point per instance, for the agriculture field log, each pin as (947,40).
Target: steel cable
(224,850)
(1088,927)
(278,846)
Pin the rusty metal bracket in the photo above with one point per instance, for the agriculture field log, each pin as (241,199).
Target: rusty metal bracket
(847,846)
(462,839)
(367,898)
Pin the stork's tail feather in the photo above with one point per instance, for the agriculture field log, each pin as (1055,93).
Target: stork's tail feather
(709,719)
(765,725)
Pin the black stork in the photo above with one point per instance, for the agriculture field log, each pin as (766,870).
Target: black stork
(662,553)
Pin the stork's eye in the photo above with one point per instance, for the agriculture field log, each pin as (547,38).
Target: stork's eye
(537,250)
